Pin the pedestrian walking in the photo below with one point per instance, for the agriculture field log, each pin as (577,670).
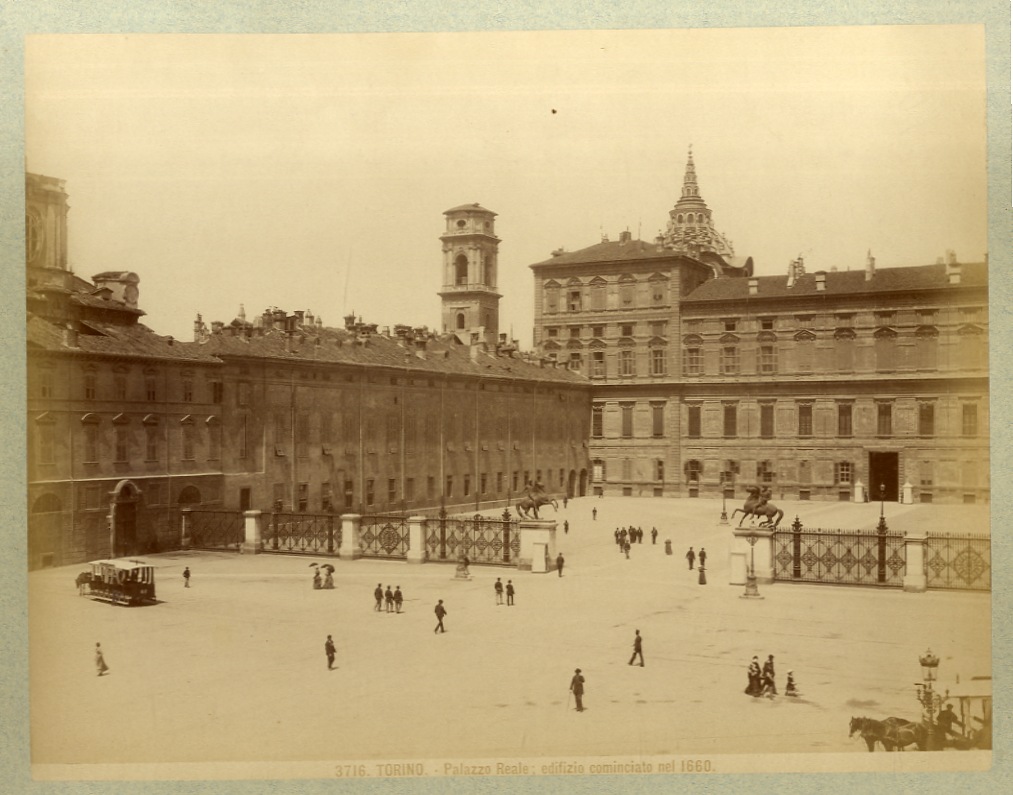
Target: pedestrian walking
(626,549)
(594,514)
(703,557)
(398,599)
(186,577)
(790,688)
(577,688)
(329,651)
(769,687)
(654,535)
(565,500)
(566,526)
(378,595)
(640,535)
(100,660)
(328,579)
(754,688)
(440,611)
(388,596)
(510,593)
(638,649)
(498,588)
(559,564)
(691,556)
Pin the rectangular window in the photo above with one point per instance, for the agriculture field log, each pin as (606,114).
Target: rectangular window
(92,498)
(304,497)
(573,300)
(483,483)
(597,364)
(449,491)
(514,479)
(626,330)
(694,361)
(391,490)
(430,487)
(499,482)
(627,362)
(151,443)
(627,420)
(767,323)
(926,419)
(46,444)
(729,360)
(844,419)
(467,485)
(658,361)
(369,491)
(657,420)
(120,387)
(89,386)
(805,419)
(214,441)
(596,421)
(659,469)
(46,384)
(281,432)
(767,420)
(659,328)
(768,359)
(731,419)
(884,419)
(574,332)
(409,489)
(187,391)
(349,493)
(551,332)
(730,323)
(842,473)
(91,443)
(658,292)
(217,391)
(121,444)
(279,496)
(969,424)
(302,434)
(597,331)
(189,432)
(693,422)
(150,389)
(243,394)
(575,362)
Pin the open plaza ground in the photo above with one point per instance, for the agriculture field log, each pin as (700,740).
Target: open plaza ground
(232,669)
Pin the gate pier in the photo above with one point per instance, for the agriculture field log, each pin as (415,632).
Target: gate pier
(350,549)
(416,539)
(253,528)
(762,556)
(538,545)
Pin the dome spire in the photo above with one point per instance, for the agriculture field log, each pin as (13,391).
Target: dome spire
(689,186)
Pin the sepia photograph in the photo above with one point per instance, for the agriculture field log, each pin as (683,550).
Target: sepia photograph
(390,398)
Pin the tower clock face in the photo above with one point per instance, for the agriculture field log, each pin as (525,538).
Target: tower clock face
(34,235)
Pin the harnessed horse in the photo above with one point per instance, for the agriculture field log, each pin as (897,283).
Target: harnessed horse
(895,734)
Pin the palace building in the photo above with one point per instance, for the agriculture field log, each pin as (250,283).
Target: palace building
(126,427)
(831,385)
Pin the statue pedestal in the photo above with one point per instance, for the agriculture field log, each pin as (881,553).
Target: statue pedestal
(462,572)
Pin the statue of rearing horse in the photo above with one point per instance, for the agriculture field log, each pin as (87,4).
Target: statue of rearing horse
(535,499)
(758,504)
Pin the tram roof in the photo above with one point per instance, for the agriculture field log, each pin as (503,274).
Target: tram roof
(122,564)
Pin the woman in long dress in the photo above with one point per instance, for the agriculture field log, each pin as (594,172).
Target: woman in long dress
(100,660)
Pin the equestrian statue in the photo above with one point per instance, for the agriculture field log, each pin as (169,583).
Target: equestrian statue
(535,499)
(758,504)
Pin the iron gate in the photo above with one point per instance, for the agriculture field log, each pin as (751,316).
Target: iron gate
(481,538)
(846,557)
(962,561)
(384,535)
(215,529)
(303,533)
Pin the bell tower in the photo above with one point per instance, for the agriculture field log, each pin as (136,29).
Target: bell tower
(470,262)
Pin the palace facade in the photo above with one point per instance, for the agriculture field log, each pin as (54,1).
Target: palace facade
(831,385)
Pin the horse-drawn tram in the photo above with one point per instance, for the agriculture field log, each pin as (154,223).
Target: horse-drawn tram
(125,582)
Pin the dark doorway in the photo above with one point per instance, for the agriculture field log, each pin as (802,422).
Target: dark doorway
(884,471)
(125,519)
(583,483)
(244,499)
(571,484)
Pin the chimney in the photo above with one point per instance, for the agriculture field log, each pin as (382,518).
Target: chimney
(821,281)
(217,326)
(870,266)
(754,286)
(559,252)
(122,286)
(298,317)
(953,272)
(625,237)
(70,336)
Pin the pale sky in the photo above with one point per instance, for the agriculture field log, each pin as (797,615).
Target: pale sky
(312,171)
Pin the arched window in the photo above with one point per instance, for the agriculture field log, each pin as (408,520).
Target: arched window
(460,320)
(926,348)
(970,347)
(189,496)
(552,296)
(461,270)
(844,349)
(886,349)
(47,503)
(805,351)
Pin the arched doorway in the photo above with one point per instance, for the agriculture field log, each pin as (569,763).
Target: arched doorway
(189,496)
(125,538)
(571,483)
(583,483)
(44,531)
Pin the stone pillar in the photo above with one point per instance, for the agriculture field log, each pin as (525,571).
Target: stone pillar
(859,491)
(253,524)
(907,494)
(416,539)
(762,555)
(915,580)
(350,549)
(541,532)
(184,539)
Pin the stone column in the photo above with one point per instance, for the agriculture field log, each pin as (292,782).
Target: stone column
(184,539)
(253,524)
(350,549)
(907,494)
(915,580)
(762,555)
(416,539)
(536,531)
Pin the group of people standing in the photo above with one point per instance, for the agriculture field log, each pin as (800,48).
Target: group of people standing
(392,599)
(498,588)
(761,680)
(626,536)
(691,556)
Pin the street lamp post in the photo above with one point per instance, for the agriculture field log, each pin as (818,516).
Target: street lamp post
(724,508)
(928,698)
(881,527)
(752,592)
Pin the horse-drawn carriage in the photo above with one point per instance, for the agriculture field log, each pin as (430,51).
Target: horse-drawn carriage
(126,582)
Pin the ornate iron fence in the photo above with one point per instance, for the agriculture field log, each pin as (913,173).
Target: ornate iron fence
(384,535)
(481,538)
(303,533)
(846,557)
(955,560)
(215,529)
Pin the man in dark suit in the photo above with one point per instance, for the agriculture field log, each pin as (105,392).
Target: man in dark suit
(638,649)
(329,651)
(440,611)
(389,597)
(559,563)
(378,595)
(577,686)
(498,588)
(510,592)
